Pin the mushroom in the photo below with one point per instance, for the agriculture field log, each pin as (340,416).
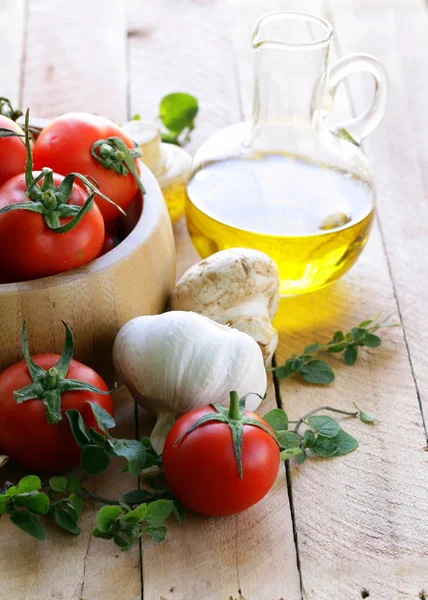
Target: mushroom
(237,287)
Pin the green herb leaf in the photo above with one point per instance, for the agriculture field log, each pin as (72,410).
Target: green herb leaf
(300,458)
(365,323)
(288,439)
(66,521)
(324,447)
(108,535)
(357,333)
(312,348)
(177,112)
(338,347)
(78,428)
(135,516)
(323,425)
(104,419)
(158,511)
(106,516)
(58,484)
(338,336)
(344,442)
(94,460)
(28,523)
(178,511)
(365,417)
(97,438)
(308,438)
(289,452)
(3,503)
(77,503)
(36,503)
(31,483)
(291,367)
(372,341)
(318,372)
(277,419)
(351,355)
(134,452)
(137,496)
(156,533)
(73,484)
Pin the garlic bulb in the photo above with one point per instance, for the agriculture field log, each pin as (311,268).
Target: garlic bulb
(177,361)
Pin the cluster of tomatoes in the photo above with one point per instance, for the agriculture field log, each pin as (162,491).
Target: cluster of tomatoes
(38,201)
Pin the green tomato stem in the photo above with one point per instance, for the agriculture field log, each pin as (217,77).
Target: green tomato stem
(234,410)
(51,379)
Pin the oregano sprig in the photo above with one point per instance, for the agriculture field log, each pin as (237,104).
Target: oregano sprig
(324,436)
(140,512)
(316,371)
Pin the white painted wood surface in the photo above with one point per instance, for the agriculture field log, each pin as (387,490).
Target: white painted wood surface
(359,524)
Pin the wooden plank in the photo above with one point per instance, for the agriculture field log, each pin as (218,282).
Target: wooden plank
(182,49)
(206,558)
(12,27)
(399,150)
(359,519)
(75,60)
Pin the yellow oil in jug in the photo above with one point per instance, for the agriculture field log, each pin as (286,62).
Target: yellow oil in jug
(312,220)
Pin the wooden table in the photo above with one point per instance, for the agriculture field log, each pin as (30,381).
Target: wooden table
(341,529)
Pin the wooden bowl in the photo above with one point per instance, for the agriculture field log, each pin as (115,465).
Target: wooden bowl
(135,278)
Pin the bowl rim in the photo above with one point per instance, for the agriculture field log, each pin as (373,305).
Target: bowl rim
(153,207)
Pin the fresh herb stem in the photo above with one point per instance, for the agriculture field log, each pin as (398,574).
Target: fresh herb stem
(110,502)
(313,370)
(319,409)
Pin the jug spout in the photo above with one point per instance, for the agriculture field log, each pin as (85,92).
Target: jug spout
(292,58)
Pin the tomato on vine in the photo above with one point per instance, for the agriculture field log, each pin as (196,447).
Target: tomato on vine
(13,153)
(35,394)
(97,147)
(218,460)
(48,223)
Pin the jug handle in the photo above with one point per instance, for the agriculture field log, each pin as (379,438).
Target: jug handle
(360,127)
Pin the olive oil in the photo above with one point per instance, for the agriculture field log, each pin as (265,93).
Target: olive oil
(312,220)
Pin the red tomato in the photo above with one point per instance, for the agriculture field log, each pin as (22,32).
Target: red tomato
(112,227)
(65,146)
(25,434)
(110,242)
(29,249)
(202,471)
(12,151)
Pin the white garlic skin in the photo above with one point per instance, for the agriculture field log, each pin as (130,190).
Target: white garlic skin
(178,361)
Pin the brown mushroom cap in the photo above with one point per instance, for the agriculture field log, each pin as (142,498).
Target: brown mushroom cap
(228,279)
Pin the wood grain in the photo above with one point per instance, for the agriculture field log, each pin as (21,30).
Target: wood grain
(76,58)
(12,27)
(399,151)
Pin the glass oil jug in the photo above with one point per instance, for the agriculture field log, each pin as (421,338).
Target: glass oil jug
(283,182)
